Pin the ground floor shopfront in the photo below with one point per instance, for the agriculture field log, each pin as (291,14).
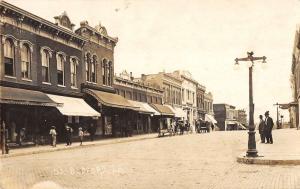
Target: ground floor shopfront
(29,115)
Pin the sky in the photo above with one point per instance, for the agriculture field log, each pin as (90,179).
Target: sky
(201,36)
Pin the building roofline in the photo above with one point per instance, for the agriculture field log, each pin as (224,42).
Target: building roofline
(41,20)
(140,84)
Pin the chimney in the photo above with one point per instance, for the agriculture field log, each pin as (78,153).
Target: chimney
(131,77)
(143,77)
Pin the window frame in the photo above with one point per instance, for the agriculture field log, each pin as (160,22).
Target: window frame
(60,58)
(48,53)
(12,56)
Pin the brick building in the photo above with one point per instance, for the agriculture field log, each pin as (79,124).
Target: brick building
(53,75)
(200,101)
(141,95)
(171,85)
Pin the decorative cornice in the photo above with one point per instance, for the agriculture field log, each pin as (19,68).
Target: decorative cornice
(41,22)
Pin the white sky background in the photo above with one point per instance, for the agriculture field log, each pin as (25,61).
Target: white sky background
(202,36)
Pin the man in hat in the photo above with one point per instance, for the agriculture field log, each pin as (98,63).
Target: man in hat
(53,136)
(269,126)
(261,129)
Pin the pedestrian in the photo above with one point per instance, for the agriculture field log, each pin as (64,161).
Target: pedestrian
(80,134)
(261,129)
(187,126)
(269,124)
(212,126)
(92,131)
(53,136)
(68,135)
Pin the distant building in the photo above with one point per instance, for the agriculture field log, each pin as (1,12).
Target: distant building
(140,94)
(171,86)
(129,88)
(227,117)
(208,103)
(242,117)
(188,95)
(200,101)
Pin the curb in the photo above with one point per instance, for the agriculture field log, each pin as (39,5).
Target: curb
(101,143)
(264,161)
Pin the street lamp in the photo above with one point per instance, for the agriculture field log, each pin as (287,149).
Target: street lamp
(251,152)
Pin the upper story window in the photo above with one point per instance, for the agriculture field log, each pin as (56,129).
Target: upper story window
(90,67)
(87,66)
(73,68)
(109,73)
(104,81)
(9,57)
(26,61)
(60,68)
(93,69)
(46,54)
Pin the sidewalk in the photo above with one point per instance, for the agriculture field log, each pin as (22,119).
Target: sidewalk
(284,151)
(48,148)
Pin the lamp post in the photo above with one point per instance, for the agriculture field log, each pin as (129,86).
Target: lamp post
(251,152)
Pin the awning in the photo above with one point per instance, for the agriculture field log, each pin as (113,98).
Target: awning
(74,106)
(144,107)
(288,105)
(210,118)
(110,99)
(163,109)
(241,126)
(179,113)
(231,122)
(9,95)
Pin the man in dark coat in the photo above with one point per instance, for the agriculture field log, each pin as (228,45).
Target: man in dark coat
(261,129)
(269,125)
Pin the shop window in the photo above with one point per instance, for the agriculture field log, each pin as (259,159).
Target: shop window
(25,61)
(9,58)
(45,65)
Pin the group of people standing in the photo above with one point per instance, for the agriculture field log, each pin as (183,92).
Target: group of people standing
(69,134)
(265,128)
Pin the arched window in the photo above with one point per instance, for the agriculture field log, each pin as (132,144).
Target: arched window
(93,69)
(60,70)
(109,73)
(9,58)
(104,80)
(45,65)
(26,61)
(87,66)
(73,66)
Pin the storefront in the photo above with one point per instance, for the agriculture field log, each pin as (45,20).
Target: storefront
(118,114)
(22,112)
(179,113)
(164,120)
(144,117)
(75,113)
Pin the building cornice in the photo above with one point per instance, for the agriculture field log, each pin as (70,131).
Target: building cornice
(140,85)
(20,15)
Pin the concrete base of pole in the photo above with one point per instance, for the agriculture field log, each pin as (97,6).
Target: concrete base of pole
(251,152)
